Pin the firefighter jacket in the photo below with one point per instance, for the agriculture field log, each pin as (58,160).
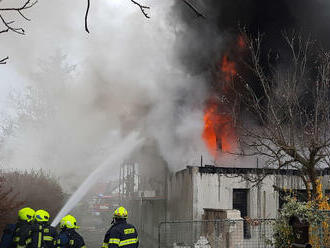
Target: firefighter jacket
(43,236)
(22,233)
(69,238)
(7,236)
(121,234)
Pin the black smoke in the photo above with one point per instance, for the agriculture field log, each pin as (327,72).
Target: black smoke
(205,39)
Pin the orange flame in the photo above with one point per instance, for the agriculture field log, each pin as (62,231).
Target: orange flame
(209,133)
(218,133)
(228,68)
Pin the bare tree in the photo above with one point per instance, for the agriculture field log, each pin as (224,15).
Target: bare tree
(290,104)
(142,7)
(8,25)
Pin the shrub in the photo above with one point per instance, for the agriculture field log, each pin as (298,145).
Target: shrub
(8,203)
(307,212)
(36,189)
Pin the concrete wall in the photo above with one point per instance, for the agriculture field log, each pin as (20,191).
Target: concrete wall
(180,195)
(190,191)
(216,191)
(146,214)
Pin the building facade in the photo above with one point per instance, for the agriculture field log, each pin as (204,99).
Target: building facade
(194,189)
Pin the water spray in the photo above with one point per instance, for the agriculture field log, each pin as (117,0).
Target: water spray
(118,154)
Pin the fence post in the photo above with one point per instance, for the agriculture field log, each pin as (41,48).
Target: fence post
(159,227)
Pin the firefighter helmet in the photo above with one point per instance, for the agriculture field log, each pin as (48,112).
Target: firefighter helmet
(26,214)
(120,212)
(42,216)
(68,221)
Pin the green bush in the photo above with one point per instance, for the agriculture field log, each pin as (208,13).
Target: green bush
(307,212)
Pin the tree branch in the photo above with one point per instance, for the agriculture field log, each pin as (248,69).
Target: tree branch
(10,28)
(143,8)
(8,24)
(4,60)
(27,5)
(86,16)
(290,107)
(198,14)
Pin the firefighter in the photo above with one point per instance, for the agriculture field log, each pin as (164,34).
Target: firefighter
(121,234)
(68,237)
(43,235)
(17,235)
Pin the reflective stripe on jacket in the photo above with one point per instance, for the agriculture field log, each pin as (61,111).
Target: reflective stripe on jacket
(121,234)
(43,236)
(22,234)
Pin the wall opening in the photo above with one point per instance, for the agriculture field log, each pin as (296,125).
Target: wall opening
(240,202)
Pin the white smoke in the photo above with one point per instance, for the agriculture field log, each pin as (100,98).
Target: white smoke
(74,89)
(124,148)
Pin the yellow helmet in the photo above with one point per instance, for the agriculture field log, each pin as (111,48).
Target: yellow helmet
(68,221)
(42,216)
(26,214)
(120,212)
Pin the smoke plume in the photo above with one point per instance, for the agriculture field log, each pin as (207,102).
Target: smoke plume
(74,90)
(224,19)
(70,91)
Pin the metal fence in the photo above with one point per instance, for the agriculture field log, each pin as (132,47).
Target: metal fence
(216,234)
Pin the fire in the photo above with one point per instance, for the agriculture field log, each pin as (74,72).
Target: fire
(228,68)
(209,133)
(241,42)
(218,133)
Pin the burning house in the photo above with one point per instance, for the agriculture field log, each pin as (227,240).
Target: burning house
(163,93)
(199,193)
(202,192)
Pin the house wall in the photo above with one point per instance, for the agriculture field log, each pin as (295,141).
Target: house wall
(216,191)
(180,195)
(190,191)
